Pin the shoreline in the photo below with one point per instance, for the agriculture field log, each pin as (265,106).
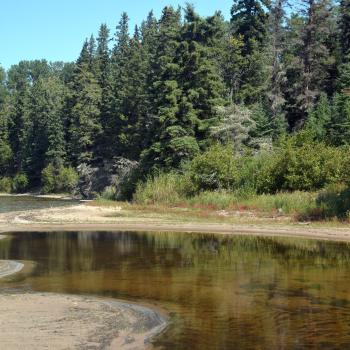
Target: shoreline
(9,267)
(102,323)
(124,217)
(125,325)
(328,234)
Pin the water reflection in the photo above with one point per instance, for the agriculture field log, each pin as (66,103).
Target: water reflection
(222,293)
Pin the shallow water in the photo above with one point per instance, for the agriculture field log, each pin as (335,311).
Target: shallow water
(221,292)
(18,203)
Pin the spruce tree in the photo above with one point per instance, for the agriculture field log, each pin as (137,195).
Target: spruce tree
(120,76)
(18,114)
(344,33)
(5,149)
(85,126)
(249,21)
(104,78)
(165,92)
(319,118)
(46,143)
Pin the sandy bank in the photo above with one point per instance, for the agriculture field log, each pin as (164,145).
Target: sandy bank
(50,321)
(98,218)
(8,268)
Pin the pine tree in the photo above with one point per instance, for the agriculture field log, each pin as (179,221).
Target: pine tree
(85,126)
(104,78)
(277,42)
(46,143)
(344,34)
(339,130)
(165,92)
(315,53)
(200,78)
(5,149)
(249,21)
(319,118)
(120,77)
(18,113)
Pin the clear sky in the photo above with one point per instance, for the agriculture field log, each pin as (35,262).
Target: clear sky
(56,29)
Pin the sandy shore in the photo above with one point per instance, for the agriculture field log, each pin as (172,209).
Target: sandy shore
(86,217)
(8,267)
(51,321)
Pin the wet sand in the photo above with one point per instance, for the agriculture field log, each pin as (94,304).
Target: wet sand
(8,268)
(52,321)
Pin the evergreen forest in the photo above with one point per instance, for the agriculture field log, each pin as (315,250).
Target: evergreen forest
(258,103)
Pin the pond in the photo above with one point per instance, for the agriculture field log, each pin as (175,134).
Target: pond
(220,292)
(18,203)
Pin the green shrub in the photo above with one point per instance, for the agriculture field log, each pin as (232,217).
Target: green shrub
(58,180)
(20,183)
(300,166)
(215,169)
(48,180)
(108,194)
(166,188)
(333,202)
(5,185)
(66,180)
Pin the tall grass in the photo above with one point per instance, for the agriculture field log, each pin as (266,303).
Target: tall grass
(285,203)
(176,190)
(169,189)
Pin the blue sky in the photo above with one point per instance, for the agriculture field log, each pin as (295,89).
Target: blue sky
(56,29)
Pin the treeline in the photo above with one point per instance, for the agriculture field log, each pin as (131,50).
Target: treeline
(163,95)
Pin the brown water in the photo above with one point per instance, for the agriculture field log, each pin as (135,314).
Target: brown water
(221,292)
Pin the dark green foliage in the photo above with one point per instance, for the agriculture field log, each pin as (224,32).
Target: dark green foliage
(332,202)
(58,180)
(20,183)
(161,97)
(216,169)
(5,185)
(300,163)
(319,118)
(85,126)
(344,34)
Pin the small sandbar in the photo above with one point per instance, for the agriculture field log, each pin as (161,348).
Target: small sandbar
(52,321)
(9,267)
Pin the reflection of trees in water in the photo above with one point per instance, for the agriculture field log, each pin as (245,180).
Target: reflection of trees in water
(5,247)
(227,290)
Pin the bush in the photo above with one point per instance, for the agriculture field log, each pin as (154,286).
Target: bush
(333,202)
(300,164)
(165,188)
(216,169)
(20,183)
(58,180)
(67,179)
(48,179)
(5,185)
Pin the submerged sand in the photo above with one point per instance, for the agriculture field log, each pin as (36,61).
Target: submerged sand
(34,321)
(9,267)
(52,321)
